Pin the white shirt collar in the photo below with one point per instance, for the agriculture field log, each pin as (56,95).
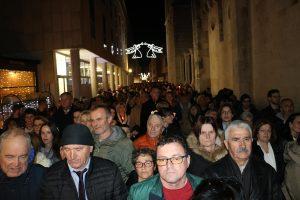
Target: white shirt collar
(86,166)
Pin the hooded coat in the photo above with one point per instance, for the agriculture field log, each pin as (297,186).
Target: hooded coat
(117,148)
(194,145)
(291,184)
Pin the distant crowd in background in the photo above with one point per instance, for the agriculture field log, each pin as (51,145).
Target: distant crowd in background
(152,141)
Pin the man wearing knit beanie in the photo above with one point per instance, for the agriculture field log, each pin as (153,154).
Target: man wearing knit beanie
(82,176)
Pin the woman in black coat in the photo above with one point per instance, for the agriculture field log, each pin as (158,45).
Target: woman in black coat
(267,148)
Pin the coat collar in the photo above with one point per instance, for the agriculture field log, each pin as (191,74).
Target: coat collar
(156,192)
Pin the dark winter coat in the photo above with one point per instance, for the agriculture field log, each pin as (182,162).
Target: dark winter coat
(258,178)
(291,184)
(198,164)
(103,181)
(278,153)
(24,187)
(62,119)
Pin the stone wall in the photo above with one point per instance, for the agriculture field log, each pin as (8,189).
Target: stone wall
(221,50)
(275,48)
(259,50)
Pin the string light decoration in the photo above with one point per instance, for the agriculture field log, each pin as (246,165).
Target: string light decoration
(20,83)
(152,49)
(6,109)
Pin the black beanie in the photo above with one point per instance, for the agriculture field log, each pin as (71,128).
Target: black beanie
(77,134)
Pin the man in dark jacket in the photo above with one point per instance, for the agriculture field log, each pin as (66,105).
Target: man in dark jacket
(18,179)
(257,178)
(81,176)
(147,107)
(64,115)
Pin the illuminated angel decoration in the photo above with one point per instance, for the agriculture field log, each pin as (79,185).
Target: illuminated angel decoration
(150,53)
(135,50)
(152,49)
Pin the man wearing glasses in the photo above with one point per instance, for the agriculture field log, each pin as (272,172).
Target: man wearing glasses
(172,182)
(257,178)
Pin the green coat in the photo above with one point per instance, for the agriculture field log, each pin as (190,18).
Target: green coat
(152,188)
(117,148)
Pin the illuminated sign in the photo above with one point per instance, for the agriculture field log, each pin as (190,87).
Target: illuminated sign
(152,49)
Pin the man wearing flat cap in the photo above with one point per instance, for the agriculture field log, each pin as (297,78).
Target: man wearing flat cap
(82,176)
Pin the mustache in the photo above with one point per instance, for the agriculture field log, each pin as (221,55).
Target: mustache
(242,149)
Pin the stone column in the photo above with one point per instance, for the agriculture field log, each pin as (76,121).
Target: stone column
(75,65)
(192,79)
(128,77)
(180,69)
(200,56)
(112,77)
(117,82)
(104,76)
(120,77)
(187,67)
(93,65)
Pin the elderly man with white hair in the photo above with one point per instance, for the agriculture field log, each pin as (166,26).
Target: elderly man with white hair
(19,179)
(257,178)
(155,127)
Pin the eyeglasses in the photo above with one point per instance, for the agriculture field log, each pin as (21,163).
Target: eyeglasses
(146,164)
(174,160)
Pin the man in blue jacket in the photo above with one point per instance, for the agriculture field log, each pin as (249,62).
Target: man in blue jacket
(19,180)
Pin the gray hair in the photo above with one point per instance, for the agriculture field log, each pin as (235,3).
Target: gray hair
(154,115)
(246,114)
(15,133)
(237,124)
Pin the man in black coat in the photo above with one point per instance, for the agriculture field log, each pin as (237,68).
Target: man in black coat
(64,115)
(147,107)
(257,178)
(82,176)
(18,179)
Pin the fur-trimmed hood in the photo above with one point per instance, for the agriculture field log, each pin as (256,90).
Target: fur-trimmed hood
(194,145)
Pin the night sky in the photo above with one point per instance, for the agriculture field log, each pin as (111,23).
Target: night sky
(146,21)
(146,24)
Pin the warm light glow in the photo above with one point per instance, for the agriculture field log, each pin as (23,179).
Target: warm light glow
(61,65)
(145,76)
(99,69)
(130,70)
(20,83)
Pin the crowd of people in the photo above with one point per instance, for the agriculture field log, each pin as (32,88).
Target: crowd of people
(152,141)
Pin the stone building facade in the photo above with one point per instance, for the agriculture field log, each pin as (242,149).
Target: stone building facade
(248,46)
(85,37)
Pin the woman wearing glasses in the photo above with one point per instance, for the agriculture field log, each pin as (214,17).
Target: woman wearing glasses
(143,161)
